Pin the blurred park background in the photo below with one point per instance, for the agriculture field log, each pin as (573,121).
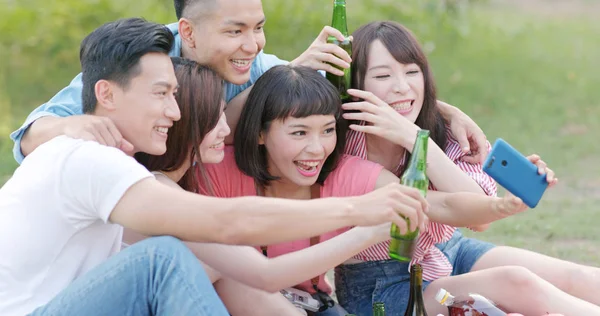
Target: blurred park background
(527,71)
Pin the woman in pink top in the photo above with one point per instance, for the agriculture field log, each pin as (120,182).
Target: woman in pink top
(290,140)
(399,99)
(244,279)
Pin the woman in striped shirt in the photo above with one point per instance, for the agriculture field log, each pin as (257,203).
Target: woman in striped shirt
(399,99)
(289,142)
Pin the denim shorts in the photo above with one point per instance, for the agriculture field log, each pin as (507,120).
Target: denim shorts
(358,286)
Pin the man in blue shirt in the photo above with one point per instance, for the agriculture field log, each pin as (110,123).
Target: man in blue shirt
(228,36)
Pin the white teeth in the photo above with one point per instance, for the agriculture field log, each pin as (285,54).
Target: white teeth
(240,62)
(307,164)
(402,106)
(163,130)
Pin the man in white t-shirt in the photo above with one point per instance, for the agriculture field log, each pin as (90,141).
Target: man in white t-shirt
(62,213)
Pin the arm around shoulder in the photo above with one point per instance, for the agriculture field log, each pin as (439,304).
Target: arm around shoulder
(43,123)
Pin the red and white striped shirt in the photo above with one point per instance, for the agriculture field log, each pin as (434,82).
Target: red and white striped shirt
(434,262)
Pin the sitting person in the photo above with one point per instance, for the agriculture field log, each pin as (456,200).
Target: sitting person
(200,101)
(63,211)
(289,144)
(204,33)
(399,99)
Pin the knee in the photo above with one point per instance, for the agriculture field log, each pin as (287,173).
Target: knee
(517,277)
(163,242)
(163,245)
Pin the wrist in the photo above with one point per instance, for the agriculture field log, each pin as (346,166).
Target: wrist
(348,212)
(446,110)
(497,207)
(407,139)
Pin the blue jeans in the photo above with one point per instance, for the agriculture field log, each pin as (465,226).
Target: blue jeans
(157,276)
(358,286)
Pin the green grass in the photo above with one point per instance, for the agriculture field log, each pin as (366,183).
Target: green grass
(529,78)
(532,81)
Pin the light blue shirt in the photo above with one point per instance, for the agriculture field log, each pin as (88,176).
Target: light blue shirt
(68,101)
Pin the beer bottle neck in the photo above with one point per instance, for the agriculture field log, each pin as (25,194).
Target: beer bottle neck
(416,284)
(339,17)
(418,159)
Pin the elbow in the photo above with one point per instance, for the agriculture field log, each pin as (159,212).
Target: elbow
(232,231)
(264,282)
(26,146)
(269,283)
(228,234)
(480,228)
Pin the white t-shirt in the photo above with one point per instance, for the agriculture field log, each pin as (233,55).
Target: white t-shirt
(54,218)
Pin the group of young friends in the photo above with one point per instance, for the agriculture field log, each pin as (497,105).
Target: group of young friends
(134,151)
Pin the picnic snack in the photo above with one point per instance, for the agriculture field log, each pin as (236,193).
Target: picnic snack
(469,305)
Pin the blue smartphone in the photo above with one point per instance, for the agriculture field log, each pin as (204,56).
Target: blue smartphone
(515,173)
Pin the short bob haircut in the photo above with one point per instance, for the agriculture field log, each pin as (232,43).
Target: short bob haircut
(285,91)
(405,48)
(200,100)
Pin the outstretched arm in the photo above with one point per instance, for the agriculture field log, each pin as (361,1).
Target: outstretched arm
(273,274)
(152,208)
(467,209)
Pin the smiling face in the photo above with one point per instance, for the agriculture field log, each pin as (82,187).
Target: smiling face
(146,108)
(229,37)
(402,86)
(212,148)
(298,147)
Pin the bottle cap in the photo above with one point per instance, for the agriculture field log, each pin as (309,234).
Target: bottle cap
(441,296)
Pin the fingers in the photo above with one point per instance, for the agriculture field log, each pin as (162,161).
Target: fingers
(473,159)
(463,140)
(533,158)
(413,199)
(326,57)
(99,129)
(367,96)
(113,133)
(334,54)
(479,156)
(364,115)
(330,31)
(401,223)
(109,134)
(327,67)
(480,142)
(363,106)
(367,129)
(126,147)
(543,169)
(96,136)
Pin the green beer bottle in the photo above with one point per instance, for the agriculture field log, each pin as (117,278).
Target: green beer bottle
(416,307)
(378,309)
(342,83)
(402,246)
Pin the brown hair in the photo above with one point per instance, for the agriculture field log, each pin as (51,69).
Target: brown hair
(405,48)
(200,100)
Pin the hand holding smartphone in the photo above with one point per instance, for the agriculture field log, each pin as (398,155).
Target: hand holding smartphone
(515,173)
